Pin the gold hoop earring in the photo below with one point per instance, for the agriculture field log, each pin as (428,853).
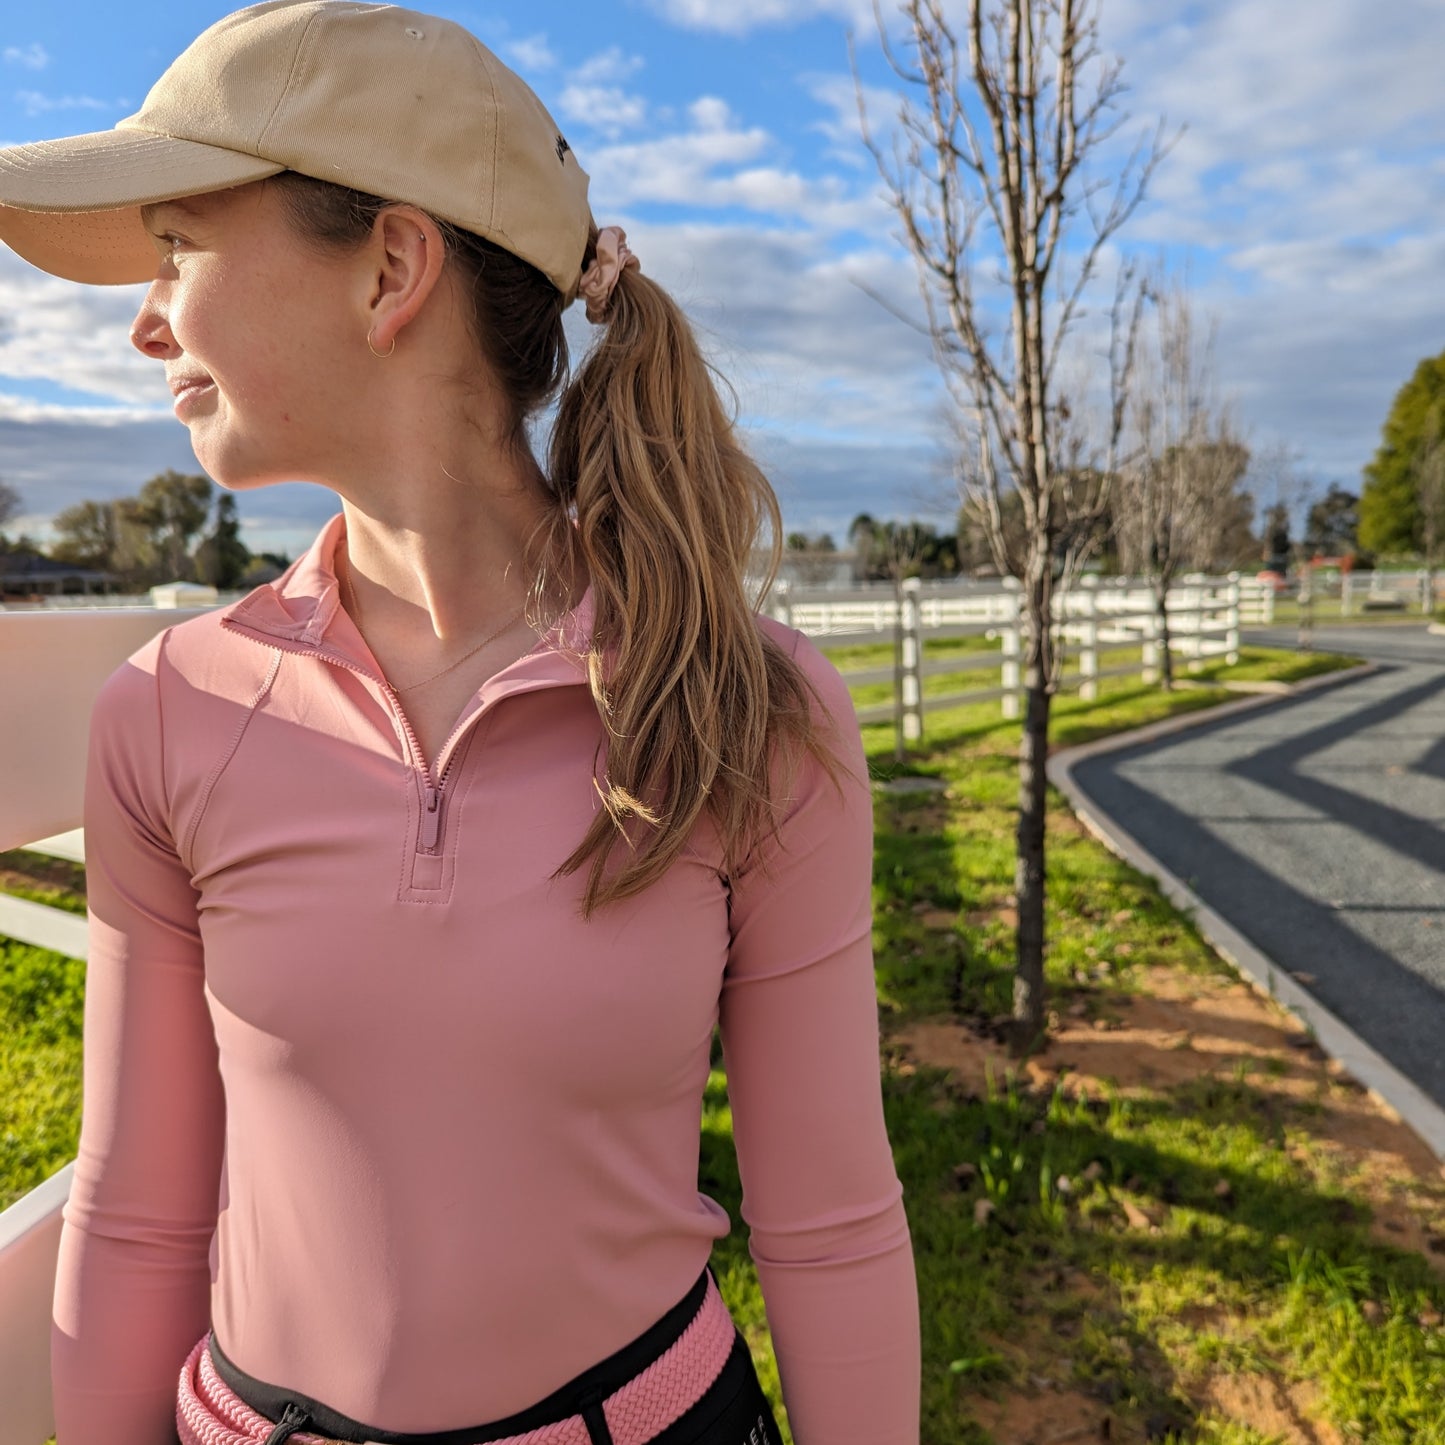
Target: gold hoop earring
(379,355)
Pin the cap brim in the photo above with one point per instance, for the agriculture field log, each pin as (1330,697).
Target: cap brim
(72,206)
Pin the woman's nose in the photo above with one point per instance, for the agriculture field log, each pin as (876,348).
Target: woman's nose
(150,333)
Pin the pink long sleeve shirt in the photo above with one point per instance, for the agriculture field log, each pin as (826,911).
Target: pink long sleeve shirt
(365,1092)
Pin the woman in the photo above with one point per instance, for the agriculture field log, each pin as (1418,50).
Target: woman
(420,877)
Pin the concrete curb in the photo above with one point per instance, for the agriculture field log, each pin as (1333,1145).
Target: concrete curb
(1384,1082)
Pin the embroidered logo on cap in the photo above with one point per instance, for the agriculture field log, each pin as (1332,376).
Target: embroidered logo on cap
(562,149)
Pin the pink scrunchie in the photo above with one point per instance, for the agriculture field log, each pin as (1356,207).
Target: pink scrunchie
(611,260)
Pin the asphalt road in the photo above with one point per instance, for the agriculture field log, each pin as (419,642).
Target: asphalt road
(1315,827)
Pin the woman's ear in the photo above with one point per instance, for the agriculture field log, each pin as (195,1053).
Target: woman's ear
(406,255)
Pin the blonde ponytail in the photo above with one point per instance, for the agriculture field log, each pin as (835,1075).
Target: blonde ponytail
(663,510)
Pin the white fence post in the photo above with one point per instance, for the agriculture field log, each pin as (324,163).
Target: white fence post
(782,606)
(1089,639)
(1231,621)
(1149,648)
(1197,607)
(1012,634)
(1426,588)
(912,677)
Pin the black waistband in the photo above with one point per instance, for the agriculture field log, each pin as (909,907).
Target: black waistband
(585,1391)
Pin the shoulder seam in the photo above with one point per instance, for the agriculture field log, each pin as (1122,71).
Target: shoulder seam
(165,638)
(227,754)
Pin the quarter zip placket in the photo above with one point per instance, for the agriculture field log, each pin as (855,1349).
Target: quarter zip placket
(433,790)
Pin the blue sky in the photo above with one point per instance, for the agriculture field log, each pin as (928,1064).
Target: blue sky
(1304,199)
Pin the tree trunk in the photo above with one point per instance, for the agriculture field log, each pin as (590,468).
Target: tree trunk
(1029,872)
(1166,657)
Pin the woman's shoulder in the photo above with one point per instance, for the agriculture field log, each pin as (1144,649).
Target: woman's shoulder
(822,676)
(185,662)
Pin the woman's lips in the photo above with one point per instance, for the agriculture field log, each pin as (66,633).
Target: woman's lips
(188,391)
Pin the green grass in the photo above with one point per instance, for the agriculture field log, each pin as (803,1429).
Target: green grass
(1259,664)
(41,996)
(1278,1276)
(1326,613)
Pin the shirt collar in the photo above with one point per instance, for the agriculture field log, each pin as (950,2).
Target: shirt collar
(303,605)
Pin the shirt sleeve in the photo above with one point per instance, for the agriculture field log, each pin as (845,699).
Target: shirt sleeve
(799,1024)
(132,1290)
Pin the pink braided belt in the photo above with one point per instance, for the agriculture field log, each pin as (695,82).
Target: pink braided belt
(209,1412)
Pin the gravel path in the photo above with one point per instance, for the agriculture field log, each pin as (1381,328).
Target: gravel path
(1314,827)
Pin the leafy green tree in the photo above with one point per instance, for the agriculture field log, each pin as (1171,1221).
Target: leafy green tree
(1391,518)
(9,506)
(174,507)
(813,558)
(87,535)
(890,551)
(861,537)
(1237,544)
(109,536)
(1332,527)
(222,557)
(1275,543)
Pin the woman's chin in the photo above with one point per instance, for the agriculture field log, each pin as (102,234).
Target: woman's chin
(237,474)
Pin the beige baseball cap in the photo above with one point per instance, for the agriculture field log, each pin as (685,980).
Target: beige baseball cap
(384,100)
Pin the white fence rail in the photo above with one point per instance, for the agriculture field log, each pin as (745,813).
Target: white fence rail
(1386,591)
(1205,616)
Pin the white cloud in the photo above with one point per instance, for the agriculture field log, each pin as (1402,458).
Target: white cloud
(607,109)
(596,98)
(607,67)
(838,95)
(33,102)
(796,331)
(31,57)
(73,336)
(719,163)
(710,112)
(27,410)
(531,53)
(738,17)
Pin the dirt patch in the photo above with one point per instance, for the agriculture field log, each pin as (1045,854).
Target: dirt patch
(1007,915)
(1051,1417)
(1183,1029)
(1286,1413)
(1180,1029)
(37,868)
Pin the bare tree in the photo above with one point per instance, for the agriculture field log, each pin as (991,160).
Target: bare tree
(1001,154)
(1178,492)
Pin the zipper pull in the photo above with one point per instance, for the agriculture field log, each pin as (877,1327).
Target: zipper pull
(431,820)
(293,1419)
